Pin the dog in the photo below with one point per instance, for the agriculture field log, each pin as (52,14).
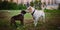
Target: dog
(19,17)
(36,14)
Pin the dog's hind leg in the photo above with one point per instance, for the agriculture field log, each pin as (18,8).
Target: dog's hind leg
(43,18)
(13,22)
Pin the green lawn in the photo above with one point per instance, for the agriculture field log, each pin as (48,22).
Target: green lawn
(52,21)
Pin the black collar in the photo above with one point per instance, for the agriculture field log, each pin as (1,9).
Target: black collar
(22,14)
(32,13)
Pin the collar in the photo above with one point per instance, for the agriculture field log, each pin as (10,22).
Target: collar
(32,13)
(22,14)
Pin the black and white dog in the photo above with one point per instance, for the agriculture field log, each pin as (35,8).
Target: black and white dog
(19,17)
(36,14)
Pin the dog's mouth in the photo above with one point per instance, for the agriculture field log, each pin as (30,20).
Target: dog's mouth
(27,11)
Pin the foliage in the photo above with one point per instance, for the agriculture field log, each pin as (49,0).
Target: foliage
(22,6)
(5,5)
(31,4)
(36,4)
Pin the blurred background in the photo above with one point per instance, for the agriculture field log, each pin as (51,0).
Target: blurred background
(18,4)
(10,8)
(23,4)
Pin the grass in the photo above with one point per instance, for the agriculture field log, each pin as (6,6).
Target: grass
(52,21)
(16,12)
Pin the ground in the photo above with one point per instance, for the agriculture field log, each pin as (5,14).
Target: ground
(52,21)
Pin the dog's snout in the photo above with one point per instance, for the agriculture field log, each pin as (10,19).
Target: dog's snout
(26,11)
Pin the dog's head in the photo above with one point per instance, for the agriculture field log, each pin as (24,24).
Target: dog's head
(30,9)
(23,12)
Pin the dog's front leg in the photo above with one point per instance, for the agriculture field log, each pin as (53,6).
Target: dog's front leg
(35,21)
(22,23)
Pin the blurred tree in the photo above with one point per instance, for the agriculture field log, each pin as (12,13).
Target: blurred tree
(31,4)
(5,5)
(11,0)
(17,1)
(22,7)
(37,4)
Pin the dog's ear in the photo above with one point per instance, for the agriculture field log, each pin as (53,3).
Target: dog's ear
(30,8)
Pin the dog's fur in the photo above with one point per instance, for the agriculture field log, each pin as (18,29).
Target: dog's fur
(19,17)
(36,14)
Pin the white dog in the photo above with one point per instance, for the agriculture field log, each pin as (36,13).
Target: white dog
(36,14)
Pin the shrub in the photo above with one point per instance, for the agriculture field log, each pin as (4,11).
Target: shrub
(22,6)
(36,4)
(5,5)
(8,6)
(31,4)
